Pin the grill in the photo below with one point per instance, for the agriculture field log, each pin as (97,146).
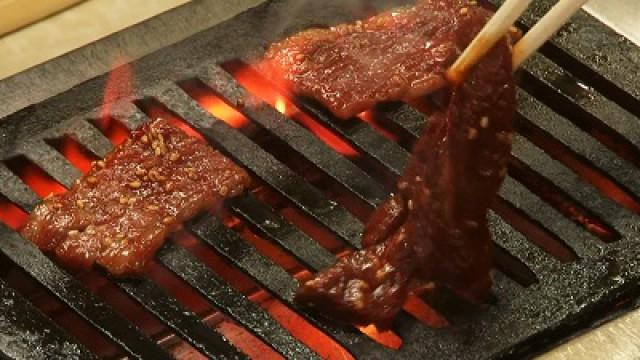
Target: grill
(565,224)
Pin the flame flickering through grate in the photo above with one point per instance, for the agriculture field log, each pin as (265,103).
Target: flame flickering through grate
(117,133)
(265,91)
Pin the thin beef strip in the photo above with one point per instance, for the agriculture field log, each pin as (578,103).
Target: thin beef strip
(122,210)
(397,55)
(435,228)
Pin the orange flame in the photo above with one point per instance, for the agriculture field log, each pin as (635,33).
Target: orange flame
(281,106)
(315,339)
(425,313)
(258,86)
(119,85)
(247,342)
(387,337)
(309,335)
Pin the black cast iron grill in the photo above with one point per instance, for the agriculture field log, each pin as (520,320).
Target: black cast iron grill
(578,132)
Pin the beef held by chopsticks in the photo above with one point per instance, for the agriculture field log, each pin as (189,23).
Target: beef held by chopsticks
(397,55)
(122,210)
(435,228)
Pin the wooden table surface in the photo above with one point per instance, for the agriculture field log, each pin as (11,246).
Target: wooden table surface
(15,14)
(616,340)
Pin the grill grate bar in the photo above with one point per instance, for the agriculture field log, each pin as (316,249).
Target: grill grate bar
(72,293)
(580,142)
(275,279)
(274,173)
(171,312)
(570,91)
(561,201)
(26,333)
(612,214)
(300,139)
(579,239)
(516,244)
(363,136)
(90,137)
(407,117)
(50,161)
(232,303)
(304,248)
(185,323)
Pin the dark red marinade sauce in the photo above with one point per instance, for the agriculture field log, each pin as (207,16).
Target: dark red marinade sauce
(123,209)
(397,55)
(435,228)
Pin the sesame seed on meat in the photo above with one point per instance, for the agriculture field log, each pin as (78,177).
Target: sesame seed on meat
(122,211)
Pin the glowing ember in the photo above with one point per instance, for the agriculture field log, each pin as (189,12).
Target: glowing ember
(218,108)
(387,338)
(307,334)
(11,215)
(326,135)
(38,180)
(424,313)
(370,118)
(261,88)
(77,155)
(290,320)
(246,342)
(549,192)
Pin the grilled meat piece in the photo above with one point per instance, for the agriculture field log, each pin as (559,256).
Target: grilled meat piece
(435,228)
(397,55)
(122,210)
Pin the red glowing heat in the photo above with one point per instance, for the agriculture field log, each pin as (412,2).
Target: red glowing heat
(218,108)
(261,88)
(370,118)
(35,178)
(385,337)
(77,155)
(156,110)
(113,129)
(11,215)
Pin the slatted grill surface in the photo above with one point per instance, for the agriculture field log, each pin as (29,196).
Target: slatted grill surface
(539,298)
